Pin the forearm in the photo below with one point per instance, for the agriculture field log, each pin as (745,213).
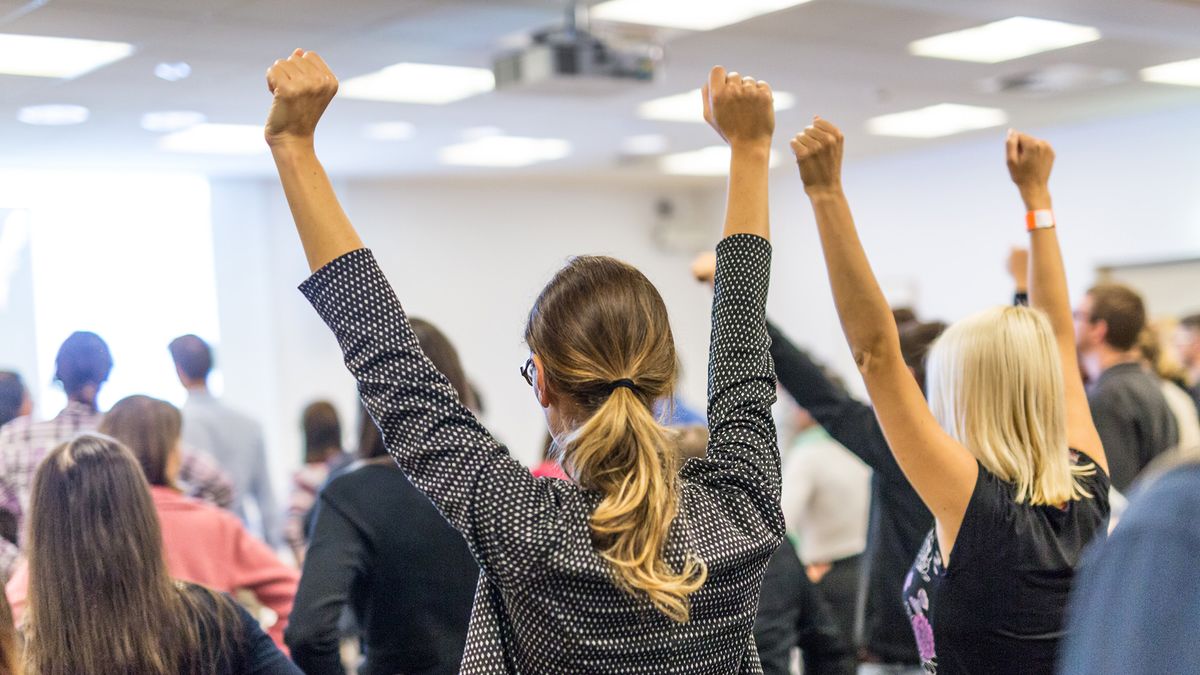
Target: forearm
(864,312)
(1047,278)
(746,209)
(325,231)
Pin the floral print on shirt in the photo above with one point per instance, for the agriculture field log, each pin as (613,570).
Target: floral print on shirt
(927,565)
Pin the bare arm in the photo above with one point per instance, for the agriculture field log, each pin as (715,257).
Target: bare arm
(303,86)
(1029,163)
(741,110)
(941,471)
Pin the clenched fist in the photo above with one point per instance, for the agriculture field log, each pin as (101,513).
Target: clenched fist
(303,86)
(741,109)
(1029,163)
(819,154)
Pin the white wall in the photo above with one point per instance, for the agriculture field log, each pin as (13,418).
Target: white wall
(471,255)
(937,224)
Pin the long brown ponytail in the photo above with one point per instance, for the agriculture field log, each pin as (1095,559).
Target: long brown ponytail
(600,322)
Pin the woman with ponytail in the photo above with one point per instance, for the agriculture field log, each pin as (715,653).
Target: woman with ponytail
(637,564)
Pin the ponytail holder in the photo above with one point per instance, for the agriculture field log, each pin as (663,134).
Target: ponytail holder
(617,384)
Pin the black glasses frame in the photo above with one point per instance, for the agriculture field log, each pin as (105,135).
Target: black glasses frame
(527,371)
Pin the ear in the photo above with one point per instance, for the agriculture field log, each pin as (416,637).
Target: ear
(544,396)
(1099,331)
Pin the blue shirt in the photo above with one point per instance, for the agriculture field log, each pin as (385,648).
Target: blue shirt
(1136,604)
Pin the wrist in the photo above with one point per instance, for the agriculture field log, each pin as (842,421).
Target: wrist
(288,144)
(1036,197)
(824,191)
(757,149)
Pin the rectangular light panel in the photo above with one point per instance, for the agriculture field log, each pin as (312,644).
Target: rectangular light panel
(687,14)
(1004,40)
(1186,73)
(505,151)
(943,119)
(216,139)
(419,83)
(37,56)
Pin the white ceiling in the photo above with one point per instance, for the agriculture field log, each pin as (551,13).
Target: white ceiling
(844,59)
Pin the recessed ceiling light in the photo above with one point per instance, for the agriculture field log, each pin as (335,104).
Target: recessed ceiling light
(688,107)
(171,120)
(389,131)
(37,56)
(1004,40)
(710,161)
(1186,73)
(172,72)
(505,151)
(54,115)
(943,119)
(216,139)
(644,144)
(419,83)
(687,14)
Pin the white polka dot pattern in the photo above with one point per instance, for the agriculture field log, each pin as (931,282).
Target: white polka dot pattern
(546,602)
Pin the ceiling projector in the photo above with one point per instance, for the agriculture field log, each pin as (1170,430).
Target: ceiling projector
(571,60)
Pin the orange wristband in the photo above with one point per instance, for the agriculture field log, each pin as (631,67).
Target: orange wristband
(1040,219)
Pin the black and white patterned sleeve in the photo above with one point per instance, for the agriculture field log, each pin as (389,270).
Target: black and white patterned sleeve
(509,518)
(743,456)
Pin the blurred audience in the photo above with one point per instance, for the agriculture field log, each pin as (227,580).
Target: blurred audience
(323,454)
(101,599)
(82,365)
(1188,343)
(234,439)
(381,548)
(1187,417)
(826,501)
(1128,407)
(202,544)
(14,397)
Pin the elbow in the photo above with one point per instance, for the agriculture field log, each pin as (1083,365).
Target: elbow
(875,351)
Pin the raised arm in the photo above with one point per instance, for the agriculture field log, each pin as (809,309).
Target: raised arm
(742,112)
(742,451)
(509,519)
(303,86)
(1029,163)
(941,471)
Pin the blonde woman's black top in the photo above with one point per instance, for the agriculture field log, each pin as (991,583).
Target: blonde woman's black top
(547,603)
(1000,605)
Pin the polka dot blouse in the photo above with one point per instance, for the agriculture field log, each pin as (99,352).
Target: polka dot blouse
(546,602)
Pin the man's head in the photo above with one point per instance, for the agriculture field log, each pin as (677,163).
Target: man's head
(82,365)
(14,397)
(193,360)
(1187,340)
(1111,316)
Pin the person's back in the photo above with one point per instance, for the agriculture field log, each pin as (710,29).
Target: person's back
(637,565)
(998,606)
(234,439)
(381,547)
(1134,610)
(1134,420)
(1128,407)
(105,604)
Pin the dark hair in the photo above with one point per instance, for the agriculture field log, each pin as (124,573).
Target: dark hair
(1191,322)
(100,598)
(150,428)
(83,362)
(370,441)
(597,322)
(915,341)
(444,356)
(12,396)
(1122,309)
(322,431)
(192,355)
(903,316)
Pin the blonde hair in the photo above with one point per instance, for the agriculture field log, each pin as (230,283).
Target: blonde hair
(597,322)
(995,384)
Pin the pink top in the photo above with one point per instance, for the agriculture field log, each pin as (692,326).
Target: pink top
(207,546)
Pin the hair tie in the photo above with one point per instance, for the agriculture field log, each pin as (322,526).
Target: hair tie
(616,384)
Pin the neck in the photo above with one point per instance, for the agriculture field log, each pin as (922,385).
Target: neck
(1193,375)
(196,387)
(1105,357)
(85,398)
